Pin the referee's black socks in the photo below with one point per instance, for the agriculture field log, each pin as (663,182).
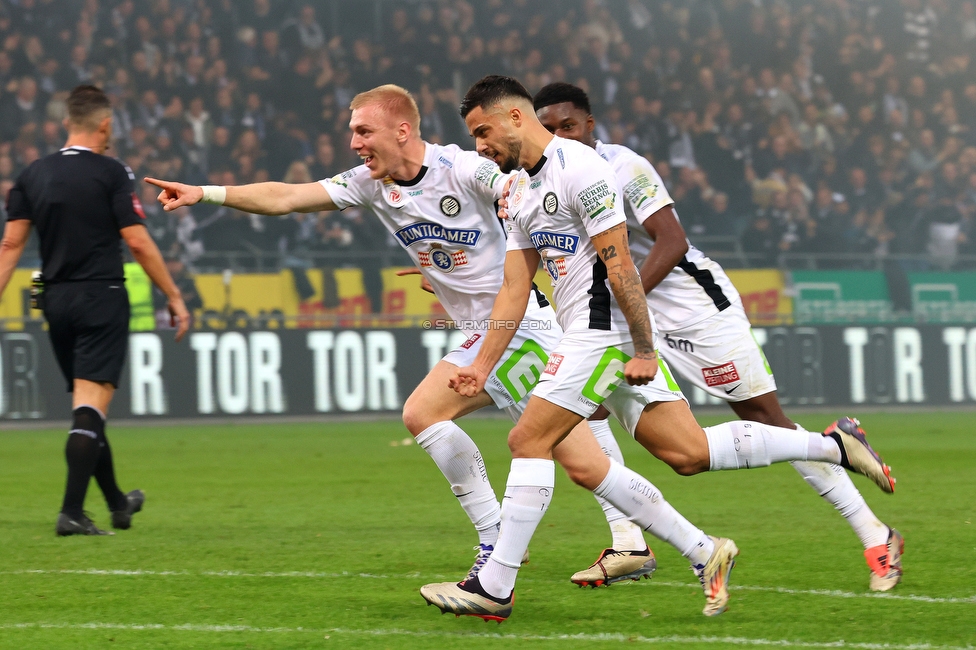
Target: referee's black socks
(88,453)
(81,452)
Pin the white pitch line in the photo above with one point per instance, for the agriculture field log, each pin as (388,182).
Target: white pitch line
(829,593)
(617,637)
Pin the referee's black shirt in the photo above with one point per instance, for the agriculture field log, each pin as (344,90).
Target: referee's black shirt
(78,200)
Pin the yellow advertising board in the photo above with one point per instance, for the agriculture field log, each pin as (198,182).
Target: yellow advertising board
(340,299)
(763,295)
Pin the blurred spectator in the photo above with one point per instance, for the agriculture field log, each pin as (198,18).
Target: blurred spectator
(745,106)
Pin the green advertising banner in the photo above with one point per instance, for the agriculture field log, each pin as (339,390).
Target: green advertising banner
(943,297)
(841,297)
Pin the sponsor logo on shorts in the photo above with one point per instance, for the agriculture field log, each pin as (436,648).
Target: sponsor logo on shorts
(555,360)
(719,375)
(684,345)
(471,341)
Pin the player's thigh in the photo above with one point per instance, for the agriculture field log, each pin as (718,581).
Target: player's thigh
(721,356)
(670,432)
(584,369)
(581,456)
(433,400)
(627,403)
(542,426)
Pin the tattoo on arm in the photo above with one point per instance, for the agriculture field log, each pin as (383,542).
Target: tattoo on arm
(633,303)
(609,253)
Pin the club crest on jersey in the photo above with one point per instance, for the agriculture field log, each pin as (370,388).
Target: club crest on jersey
(550,203)
(427,231)
(450,206)
(441,260)
(556,241)
(556,268)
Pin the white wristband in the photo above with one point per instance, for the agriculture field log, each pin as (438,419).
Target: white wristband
(214,194)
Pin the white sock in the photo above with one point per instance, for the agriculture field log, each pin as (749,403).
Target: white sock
(644,504)
(834,484)
(627,536)
(460,461)
(743,445)
(527,497)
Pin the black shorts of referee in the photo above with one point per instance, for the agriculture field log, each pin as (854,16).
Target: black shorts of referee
(88,322)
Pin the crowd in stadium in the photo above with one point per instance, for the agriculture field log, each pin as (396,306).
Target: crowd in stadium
(791,127)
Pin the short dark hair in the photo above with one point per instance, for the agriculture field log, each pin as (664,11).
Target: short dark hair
(84,103)
(561,92)
(490,90)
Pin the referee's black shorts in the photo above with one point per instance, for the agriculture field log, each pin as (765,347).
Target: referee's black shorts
(89,327)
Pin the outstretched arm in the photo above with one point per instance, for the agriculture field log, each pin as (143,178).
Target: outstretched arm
(506,314)
(256,198)
(611,246)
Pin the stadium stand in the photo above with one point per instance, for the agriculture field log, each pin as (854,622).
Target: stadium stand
(791,134)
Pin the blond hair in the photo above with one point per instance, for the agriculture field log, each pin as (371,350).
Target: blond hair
(393,100)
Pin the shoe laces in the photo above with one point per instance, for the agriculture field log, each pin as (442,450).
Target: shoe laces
(699,571)
(480,559)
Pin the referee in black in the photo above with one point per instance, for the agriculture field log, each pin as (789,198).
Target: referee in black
(83,205)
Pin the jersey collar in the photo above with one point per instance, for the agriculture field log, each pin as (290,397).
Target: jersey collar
(538,166)
(428,152)
(547,154)
(77,147)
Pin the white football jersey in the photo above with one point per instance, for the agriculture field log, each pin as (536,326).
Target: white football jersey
(569,196)
(445,219)
(698,286)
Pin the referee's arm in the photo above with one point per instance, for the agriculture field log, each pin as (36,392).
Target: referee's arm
(15,236)
(145,251)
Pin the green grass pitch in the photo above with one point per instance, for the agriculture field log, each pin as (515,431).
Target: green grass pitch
(320,536)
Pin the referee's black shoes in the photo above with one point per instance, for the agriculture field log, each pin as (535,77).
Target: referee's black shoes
(69,525)
(122,519)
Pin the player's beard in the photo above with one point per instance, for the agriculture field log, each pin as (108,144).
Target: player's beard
(511,160)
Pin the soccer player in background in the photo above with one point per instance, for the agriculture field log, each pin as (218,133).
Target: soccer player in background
(564,211)
(708,339)
(82,204)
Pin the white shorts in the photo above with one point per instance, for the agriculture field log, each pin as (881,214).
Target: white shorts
(585,370)
(519,369)
(720,355)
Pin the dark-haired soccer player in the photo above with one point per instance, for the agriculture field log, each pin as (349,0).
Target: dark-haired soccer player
(82,204)
(564,211)
(708,337)
(439,203)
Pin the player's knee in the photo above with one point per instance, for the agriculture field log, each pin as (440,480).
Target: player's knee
(524,445)
(687,464)
(415,418)
(588,477)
